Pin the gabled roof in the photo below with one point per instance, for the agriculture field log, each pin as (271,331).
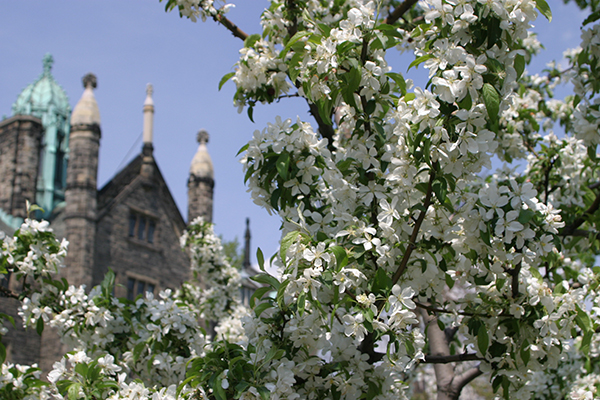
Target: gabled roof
(127,180)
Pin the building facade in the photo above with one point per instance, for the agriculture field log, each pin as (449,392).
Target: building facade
(49,156)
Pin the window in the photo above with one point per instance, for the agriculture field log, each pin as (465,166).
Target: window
(136,287)
(142,227)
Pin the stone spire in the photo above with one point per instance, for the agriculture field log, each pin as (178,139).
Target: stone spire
(201,182)
(81,191)
(247,236)
(148,117)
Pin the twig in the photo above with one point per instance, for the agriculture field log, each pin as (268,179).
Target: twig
(514,273)
(569,230)
(283,96)
(452,358)
(233,28)
(399,11)
(415,232)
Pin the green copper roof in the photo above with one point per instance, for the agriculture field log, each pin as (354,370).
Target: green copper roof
(43,94)
(47,100)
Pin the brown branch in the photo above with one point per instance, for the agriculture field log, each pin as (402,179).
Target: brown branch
(8,293)
(399,11)
(449,385)
(466,377)
(233,28)
(293,27)
(452,358)
(514,273)
(570,229)
(326,130)
(438,347)
(416,228)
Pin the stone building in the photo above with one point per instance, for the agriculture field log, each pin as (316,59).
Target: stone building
(49,156)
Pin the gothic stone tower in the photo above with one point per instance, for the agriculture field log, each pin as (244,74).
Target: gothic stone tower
(81,193)
(201,182)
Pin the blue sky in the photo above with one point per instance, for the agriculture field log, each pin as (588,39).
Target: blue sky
(128,44)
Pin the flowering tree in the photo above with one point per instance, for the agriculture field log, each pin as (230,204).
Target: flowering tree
(399,251)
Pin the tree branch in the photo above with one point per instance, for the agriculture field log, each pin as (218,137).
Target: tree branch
(466,377)
(570,229)
(233,28)
(326,130)
(514,273)
(452,358)
(8,293)
(416,228)
(399,11)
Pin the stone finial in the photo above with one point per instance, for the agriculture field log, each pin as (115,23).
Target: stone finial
(48,61)
(148,129)
(202,136)
(90,81)
(86,111)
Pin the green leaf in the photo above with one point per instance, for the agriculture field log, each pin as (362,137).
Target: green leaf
(293,40)
(260,258)
(466,103)
(449,281)
(482,339)
(399,80)
(593,17)
(519,65)
(525,216)
(244,148)
(420,60)
(544,8)
(262,307)
(283,164)
(583,320)
(341,256)
(381,282)
(265,394)
(251,40)
(591,151)
(73,392)
(301,303)
(137,351)
(286,242)
(494,31)
(39,326)
(525,353)
(258,294)
(491,98)
(81,369)
(267,280)
(281,293)
(225,78)
(485,236)
(585,343)
(251,112)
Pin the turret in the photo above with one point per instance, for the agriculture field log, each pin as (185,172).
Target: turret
(148,149)
(201,182)
(46,100)
(81,191)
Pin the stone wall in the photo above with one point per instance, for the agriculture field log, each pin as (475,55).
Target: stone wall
(20,141)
